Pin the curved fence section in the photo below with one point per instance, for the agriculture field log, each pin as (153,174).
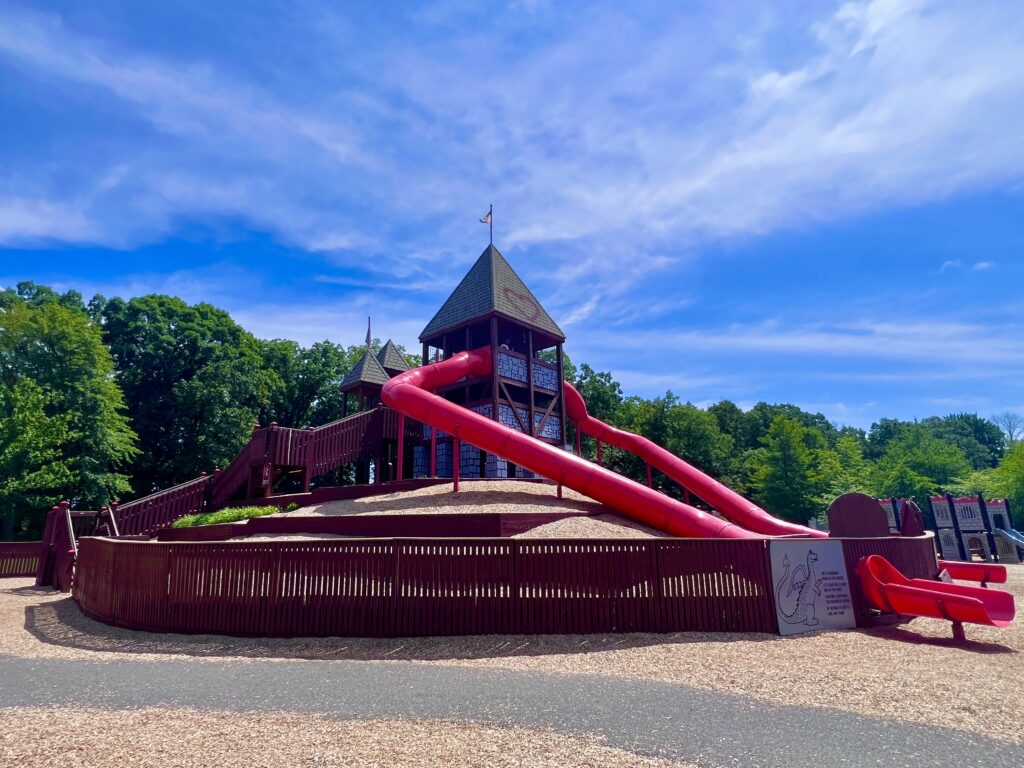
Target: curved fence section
(20,558)
(395,587)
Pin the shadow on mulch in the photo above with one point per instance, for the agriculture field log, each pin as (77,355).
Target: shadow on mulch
(904,635)
(61,623)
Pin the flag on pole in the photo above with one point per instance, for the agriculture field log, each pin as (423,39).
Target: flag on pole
(489,221)
(369,338)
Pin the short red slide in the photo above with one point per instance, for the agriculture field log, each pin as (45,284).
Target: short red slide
(889,590)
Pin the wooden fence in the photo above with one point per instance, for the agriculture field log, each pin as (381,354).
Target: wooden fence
(19,558)
(397,587)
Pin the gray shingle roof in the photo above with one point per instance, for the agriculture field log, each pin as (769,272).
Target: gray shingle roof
(391,359)
(491,285)
(367,371)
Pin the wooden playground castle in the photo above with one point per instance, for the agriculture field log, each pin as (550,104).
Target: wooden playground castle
(417,574)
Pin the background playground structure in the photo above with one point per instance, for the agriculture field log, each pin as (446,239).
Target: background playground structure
(967,527)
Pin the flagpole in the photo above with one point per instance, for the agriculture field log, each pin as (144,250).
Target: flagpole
(490,222)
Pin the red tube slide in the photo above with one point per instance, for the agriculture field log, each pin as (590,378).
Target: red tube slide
(889,590)
(719,496)
(410,393)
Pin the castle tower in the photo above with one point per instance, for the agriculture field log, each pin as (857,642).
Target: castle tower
(492,307)
(391,360)
(364,382)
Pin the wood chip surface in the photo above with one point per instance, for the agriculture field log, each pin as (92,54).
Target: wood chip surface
(912,673)
(80,738)
(505,496)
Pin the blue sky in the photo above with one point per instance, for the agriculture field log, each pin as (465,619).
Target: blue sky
(819,203)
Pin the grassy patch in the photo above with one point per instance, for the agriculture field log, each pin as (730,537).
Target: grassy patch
(229,515)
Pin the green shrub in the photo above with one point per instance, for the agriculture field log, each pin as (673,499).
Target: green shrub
(227,515)
(292,507)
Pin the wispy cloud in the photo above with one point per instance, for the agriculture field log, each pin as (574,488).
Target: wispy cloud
(687,139)
(982,265)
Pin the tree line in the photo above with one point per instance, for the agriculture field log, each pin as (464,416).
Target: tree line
(114,399)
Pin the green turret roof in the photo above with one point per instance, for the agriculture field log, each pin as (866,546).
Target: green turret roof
(491,285)
(367,371)
(391,359)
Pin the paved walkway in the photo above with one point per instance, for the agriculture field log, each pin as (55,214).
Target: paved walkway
(673,721)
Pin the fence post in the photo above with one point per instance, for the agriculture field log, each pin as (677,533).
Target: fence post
(44,571)
(395,614)
(661,612)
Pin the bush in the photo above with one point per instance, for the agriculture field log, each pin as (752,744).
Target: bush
(228,515)
(292,507)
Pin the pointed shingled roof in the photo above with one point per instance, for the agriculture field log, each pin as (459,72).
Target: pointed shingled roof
(491,285)
(367,371)
(391,359)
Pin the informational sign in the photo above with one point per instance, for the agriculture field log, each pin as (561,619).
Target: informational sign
(812,588)
(968,514)
(943,514)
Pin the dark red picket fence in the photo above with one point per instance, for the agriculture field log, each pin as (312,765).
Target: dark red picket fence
(396,587)
(19,558)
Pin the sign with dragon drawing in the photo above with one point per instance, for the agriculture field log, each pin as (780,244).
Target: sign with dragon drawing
(812,588)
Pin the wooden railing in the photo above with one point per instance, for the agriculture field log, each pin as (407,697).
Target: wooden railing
(335,444)
(237,474)
(163,507)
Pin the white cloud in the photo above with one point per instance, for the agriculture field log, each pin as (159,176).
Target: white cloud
(689,138)
(982,265)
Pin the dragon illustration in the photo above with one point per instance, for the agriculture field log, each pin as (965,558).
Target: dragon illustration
(807,586)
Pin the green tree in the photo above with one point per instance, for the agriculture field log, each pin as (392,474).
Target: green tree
(918,464)
(305,384)
(57,347)
(601,392)
(883,432)
(979,439)
(842,469)
(34,467)
(194,381)
(783,471)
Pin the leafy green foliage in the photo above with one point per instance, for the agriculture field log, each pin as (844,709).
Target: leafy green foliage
(227,515)
(194,382)
(51,341)
(783,470)
(33,468)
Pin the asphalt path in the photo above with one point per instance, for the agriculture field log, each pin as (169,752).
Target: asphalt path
(650,718)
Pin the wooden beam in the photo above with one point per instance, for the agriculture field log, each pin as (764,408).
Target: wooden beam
(529,380)
(544,418)
(511,404)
